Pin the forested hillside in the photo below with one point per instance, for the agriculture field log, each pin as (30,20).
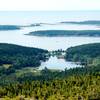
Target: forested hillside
(86,54)
(75,84)
(81,83)
(72,88)
(17,57)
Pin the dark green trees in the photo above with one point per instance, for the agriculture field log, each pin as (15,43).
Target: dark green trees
(19,56)
(86,54)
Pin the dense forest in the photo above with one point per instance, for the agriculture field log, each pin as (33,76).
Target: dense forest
(86,54)
(73,84)
(27,83)
(9,27)
(52,33)
(72,88)
(16,57)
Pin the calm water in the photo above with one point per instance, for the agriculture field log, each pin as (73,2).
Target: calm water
(60,64)
(49,43)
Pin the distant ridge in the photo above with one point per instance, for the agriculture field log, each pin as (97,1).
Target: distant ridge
(88,22)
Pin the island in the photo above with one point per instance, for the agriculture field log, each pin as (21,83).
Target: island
(63,33)
(88,22)
(9,27)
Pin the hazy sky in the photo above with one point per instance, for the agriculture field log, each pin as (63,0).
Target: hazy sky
(49,5)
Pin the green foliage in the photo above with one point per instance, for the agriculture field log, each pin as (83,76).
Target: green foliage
(18,57)
(72,88)
(86,54)
(72,84)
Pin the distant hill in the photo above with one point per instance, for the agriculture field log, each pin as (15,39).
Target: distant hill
(19,56)
(88,53)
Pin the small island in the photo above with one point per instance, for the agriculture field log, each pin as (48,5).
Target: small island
(9,27)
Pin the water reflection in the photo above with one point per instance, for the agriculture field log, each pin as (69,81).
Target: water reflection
(59,64)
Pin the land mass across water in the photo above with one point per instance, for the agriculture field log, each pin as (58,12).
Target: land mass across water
(63,33)
(88,22)
(9,27)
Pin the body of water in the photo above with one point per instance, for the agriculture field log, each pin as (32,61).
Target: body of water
(49,43)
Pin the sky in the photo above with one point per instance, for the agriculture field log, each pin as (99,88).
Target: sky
(49,5)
